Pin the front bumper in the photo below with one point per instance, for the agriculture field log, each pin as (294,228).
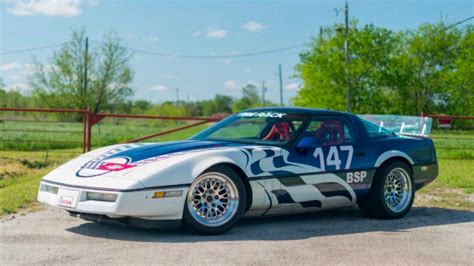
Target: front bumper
(137,203)
(130,221)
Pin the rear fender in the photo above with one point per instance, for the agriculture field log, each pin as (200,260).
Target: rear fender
(392,154)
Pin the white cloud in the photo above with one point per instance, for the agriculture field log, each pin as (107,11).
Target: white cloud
(10,66)
(17,87)
(14,77)
(252,82)
(227,61)
(292,86)
(231,85)
(152,39)
(258,84)
(165,76)
(30,69)
(93,2)
(197,33)
(160,88)
(51,8)
(216,32)
(252,26)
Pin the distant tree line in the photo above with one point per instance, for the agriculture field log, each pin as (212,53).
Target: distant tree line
(220,104)
(429,69)
(60,83)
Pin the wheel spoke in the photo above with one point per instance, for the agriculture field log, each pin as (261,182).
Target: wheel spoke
(213,199)
(397,189)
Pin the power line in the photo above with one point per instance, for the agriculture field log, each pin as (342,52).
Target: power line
(219,56)
(31,49)
(459,22)
(200,56)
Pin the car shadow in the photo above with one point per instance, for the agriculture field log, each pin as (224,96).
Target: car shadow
(292,227)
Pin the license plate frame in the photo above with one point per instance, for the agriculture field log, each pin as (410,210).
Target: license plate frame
(68,198)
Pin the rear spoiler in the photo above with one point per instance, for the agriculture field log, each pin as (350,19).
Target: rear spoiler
(401,124)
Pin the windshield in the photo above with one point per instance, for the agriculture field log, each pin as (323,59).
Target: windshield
(266,127)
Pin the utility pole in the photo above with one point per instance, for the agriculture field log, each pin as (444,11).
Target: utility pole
(177,96)
(263,93)
(281,85)
(346,49)
(84,89)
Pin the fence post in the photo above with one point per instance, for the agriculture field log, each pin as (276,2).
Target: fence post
(84,131)
(89,129)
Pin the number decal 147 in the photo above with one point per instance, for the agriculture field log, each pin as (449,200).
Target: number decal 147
(333,158)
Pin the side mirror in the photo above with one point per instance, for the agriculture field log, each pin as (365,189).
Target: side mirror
(307,143)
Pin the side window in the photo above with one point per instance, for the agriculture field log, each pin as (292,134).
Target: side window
(330,130)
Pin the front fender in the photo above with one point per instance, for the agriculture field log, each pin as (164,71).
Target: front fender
(183,169)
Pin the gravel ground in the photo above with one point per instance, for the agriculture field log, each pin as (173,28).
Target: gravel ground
(425,236)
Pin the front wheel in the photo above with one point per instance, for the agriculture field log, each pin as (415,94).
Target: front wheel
(215,202)
(392,192)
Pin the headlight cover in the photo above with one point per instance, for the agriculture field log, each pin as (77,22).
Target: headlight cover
(108,197)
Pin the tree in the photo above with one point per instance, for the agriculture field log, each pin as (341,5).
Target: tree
(3,94)
(422,67)
(61,83)
(142,105)
(460,82)
(250,98)
(322,69)
(220,104)
(426,70)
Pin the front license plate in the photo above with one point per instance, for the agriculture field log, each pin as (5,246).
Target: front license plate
(67,198)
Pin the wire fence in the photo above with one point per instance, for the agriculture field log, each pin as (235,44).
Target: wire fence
(59,129)
(75,131)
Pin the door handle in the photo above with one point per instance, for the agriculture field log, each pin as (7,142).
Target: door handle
(361,153)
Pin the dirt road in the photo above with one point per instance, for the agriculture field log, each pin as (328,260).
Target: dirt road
(425,236)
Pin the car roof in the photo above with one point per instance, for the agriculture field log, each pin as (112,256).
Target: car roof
(301,110)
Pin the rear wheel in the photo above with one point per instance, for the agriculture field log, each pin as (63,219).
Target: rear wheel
(392,192)
(215,202)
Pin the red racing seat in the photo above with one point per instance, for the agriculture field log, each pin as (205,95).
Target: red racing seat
(331,132)
(281,130)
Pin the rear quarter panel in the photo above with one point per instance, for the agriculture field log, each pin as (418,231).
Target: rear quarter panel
(418,152)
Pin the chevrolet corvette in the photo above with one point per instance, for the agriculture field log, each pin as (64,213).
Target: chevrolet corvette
(258,162)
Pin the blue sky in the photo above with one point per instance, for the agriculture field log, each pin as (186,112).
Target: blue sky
(201,28)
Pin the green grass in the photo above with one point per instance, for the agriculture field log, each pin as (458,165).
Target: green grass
(25,136)
(457,144)
(21,171)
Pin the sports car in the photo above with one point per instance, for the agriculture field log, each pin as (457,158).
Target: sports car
(258,162)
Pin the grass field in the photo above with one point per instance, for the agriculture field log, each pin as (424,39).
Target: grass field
(52,135)
(20,171)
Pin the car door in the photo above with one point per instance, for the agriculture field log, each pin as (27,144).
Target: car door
(329,177)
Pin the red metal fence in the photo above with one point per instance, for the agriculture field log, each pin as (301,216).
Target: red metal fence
(90,119)
(445,142)
(465,143)
(85,115)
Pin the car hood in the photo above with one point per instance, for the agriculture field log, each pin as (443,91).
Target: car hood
(121,160)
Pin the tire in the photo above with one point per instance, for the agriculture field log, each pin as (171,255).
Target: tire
(392,193)
(215,202)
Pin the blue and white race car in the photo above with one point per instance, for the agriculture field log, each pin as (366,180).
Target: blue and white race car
(258,162)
